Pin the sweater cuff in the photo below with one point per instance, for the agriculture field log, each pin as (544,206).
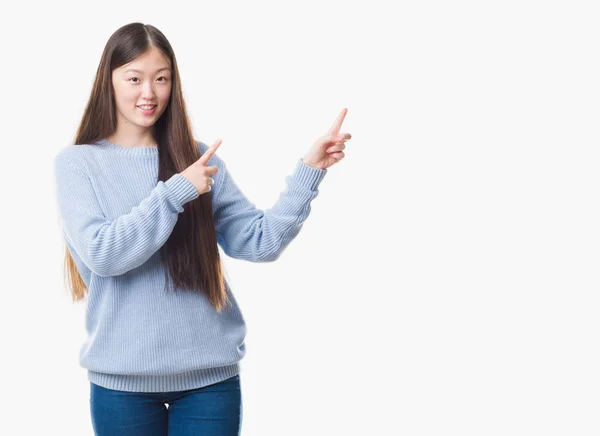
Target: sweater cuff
(181,189)
(308,176)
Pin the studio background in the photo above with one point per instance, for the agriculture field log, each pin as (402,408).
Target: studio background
(446,280)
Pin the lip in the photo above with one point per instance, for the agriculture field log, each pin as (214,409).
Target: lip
(147,112)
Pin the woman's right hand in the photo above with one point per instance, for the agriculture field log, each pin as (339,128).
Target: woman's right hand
(199,174)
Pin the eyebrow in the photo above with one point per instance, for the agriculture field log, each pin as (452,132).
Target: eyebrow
(138,71)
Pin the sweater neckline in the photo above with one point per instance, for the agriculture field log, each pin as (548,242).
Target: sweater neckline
(132,151)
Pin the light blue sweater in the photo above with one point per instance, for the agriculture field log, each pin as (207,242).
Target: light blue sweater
(115,215)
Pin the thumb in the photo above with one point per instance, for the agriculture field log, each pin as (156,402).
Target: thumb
(327,139)
(212,170)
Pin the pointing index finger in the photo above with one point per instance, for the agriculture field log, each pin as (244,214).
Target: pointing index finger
(209,153)
(335,128)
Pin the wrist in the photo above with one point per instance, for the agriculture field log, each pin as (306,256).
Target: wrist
(309,163)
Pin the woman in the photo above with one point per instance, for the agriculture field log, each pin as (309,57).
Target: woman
(142,225)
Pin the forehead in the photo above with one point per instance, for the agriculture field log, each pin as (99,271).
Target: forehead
(150,62)
(131,69)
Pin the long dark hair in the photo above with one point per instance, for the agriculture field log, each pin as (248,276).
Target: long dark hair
(191,253)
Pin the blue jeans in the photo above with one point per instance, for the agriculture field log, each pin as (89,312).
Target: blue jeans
(209,411)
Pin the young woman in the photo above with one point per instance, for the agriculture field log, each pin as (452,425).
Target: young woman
(142,224)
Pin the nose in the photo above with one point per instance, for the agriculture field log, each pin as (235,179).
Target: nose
(148,91)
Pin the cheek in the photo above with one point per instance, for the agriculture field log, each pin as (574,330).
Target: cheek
(164,95)
(124,97)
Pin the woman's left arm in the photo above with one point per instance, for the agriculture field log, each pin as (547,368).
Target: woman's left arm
(245,232)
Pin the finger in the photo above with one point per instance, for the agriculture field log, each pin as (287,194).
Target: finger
(209,153)
(211,181)
(343,136)
(337,124)
(337,147)
(212,170)
(339,156)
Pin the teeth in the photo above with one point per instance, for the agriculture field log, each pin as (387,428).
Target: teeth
(146,107)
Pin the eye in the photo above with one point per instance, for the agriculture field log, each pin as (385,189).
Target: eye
(162,77)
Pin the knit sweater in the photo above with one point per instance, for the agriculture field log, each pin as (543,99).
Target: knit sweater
(115,216)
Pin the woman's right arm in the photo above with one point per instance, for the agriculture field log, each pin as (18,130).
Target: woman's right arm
(111,247)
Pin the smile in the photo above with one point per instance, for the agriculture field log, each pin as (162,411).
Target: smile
(147,110)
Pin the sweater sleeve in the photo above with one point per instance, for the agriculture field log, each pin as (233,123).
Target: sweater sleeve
(245,232)
(111,247)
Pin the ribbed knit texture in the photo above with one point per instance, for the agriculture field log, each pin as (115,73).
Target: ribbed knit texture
(115,216)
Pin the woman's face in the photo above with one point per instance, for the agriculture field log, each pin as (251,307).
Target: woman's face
(144,81)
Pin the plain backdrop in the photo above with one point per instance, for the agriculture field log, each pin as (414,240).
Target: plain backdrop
(446,281)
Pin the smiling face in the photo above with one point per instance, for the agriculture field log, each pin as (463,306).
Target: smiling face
(144,81)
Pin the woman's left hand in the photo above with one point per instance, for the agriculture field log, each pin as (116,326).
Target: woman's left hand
(328,149)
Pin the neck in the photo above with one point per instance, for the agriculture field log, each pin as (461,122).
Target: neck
(133,139)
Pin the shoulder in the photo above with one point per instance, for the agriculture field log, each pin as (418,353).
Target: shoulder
(73,155)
